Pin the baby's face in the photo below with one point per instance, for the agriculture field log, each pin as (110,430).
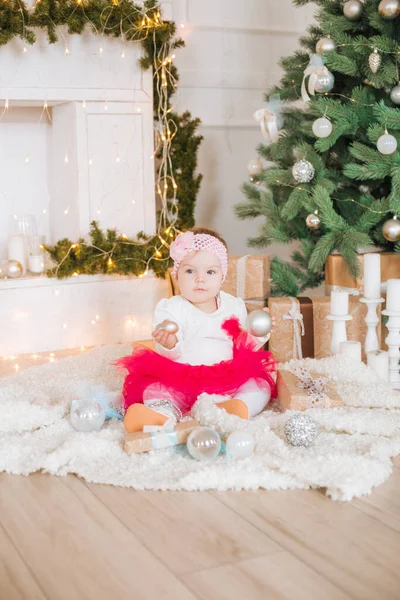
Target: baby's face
(200,276)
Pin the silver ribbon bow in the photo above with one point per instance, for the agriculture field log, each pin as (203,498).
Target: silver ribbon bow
(314,70)
(316,388)
(270,119)
(294,314)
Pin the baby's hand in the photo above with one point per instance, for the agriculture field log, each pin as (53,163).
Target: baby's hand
(162,337)
(273,319)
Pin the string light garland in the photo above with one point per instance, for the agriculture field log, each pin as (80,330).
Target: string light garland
(176,142)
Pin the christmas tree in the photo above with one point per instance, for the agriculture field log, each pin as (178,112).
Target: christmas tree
(332,178)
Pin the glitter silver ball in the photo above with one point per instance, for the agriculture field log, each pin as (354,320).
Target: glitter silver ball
(389,9)
(313,221)
(395,94)
(203,444)
(13,269)
(300,430)
(352,10)
(169,326)
(259,323)
(303,171)
(324,82)
(325,44)
(87,415)
(391,230)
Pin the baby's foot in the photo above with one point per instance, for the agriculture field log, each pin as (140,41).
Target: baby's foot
(139,415)
(235,407)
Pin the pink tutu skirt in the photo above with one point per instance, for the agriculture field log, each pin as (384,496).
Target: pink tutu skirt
(186,382)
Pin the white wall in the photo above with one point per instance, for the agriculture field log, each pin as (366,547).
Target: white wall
(231,58)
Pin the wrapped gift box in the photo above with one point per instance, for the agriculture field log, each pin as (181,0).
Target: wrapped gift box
(338,276)
(247,277)
(300,389)
(137,442)
(316,341)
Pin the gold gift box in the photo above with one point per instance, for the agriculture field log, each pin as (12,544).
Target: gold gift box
(318,331)
(291,396)
(337,273)
(135,443)
(247,277)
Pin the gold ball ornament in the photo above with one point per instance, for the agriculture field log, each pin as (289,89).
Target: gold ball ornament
(13,269)
(389,9)
(391,230)
(325,44)
(259,323)
(313,221)
(352,10)
(395,94)
(254,166)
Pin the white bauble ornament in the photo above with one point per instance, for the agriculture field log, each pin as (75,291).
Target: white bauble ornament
(13,269)
(324,82)
(387,144)
(322,127)
(240,444)
(203,444)
(389,9)
(325,44)
(352,10)
(313,221)
(391,230)
(259,323)
(87,415)
(395,94)
(169,326)
(374,60)
(254,166)
(303,171)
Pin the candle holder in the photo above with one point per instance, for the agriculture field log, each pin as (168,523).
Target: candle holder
(372,320)
(339,333)
(393,343)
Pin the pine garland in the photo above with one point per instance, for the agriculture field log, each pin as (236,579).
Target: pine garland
(111,252)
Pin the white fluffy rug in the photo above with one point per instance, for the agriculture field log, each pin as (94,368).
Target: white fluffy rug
(351,455)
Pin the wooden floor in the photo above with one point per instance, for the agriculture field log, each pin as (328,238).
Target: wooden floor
(65,539)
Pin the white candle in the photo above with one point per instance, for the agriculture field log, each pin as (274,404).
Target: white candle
(339,303)
(351,348)
(393,295)
(378,360)
(372,276)
(17,250)
(36,263)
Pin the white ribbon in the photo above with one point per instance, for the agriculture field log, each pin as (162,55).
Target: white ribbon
(241,276)
(168,425)
(316,388)
(270,119)
(294,314)
(314,70)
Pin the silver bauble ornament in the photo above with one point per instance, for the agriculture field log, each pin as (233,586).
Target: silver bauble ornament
(391,230)
(322,127)
(300,430)
(389,9)
(374,61)
(395,94)
(203,444)
(325,44)
(259,323)
(87,415)
(324,82)
(313,221)
(303,171)
(387,144)
(240,444)
(169,326)
(14,269)
(352,10)
(254,166)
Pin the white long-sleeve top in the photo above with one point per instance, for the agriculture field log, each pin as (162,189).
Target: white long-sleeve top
(201,339)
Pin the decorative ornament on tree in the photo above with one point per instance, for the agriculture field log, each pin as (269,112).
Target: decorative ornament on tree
(389,9)
(322,127)
(395,94)
(391,230)
(374,60)
(259,323)
(387,144)
(303,171)
(13,269)
(325,44)
(352,10)
(203,444)
(300,430)
(313,221)
(254,166)
(324,82)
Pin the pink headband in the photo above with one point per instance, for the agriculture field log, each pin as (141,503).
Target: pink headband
(188,242)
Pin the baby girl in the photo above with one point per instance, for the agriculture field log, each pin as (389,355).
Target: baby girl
(210,351)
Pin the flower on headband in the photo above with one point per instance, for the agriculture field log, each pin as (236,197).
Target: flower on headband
(183,244)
